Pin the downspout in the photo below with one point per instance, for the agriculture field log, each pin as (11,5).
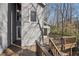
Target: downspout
(41,29)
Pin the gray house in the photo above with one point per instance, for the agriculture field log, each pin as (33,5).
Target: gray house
(20,23)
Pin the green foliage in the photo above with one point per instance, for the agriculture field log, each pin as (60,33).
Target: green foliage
(57,31)
(54,29)
(77,36)
(68,30)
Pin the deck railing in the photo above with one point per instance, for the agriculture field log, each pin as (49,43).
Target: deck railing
(54,48)
(41,51)
(70,42)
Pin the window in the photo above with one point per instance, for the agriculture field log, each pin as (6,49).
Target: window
(45,31)
(45,24)
(33,16)
(18,10)
(18,20)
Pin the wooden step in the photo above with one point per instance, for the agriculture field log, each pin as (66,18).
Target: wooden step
(64,54)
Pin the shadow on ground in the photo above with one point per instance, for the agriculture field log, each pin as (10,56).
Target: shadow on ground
(22,52)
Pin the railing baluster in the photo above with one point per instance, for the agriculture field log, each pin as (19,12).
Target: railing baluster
(41,51)
(54,48)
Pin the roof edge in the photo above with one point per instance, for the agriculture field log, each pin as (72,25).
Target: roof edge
(42,4)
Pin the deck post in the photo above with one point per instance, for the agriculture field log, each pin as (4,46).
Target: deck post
(71,52)
(62,44)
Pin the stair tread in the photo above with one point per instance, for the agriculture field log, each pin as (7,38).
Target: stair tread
(64,54)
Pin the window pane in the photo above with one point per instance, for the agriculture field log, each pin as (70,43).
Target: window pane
(33,16)
(45,31)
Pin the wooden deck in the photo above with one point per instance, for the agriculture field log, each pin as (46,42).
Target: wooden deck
(58,48)
(67,42)
(55,50)
(51,47)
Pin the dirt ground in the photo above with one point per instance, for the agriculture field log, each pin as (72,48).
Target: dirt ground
(16,51)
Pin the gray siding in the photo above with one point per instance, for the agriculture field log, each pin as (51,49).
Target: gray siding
(30,30)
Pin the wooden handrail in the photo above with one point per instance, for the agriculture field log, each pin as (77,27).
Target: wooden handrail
(54,48)
(70,42)
(40,50)
(71,39)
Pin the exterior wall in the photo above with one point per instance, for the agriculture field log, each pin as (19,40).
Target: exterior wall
(30,30)
(3,25)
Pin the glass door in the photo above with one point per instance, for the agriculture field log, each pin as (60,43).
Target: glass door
(18,21)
